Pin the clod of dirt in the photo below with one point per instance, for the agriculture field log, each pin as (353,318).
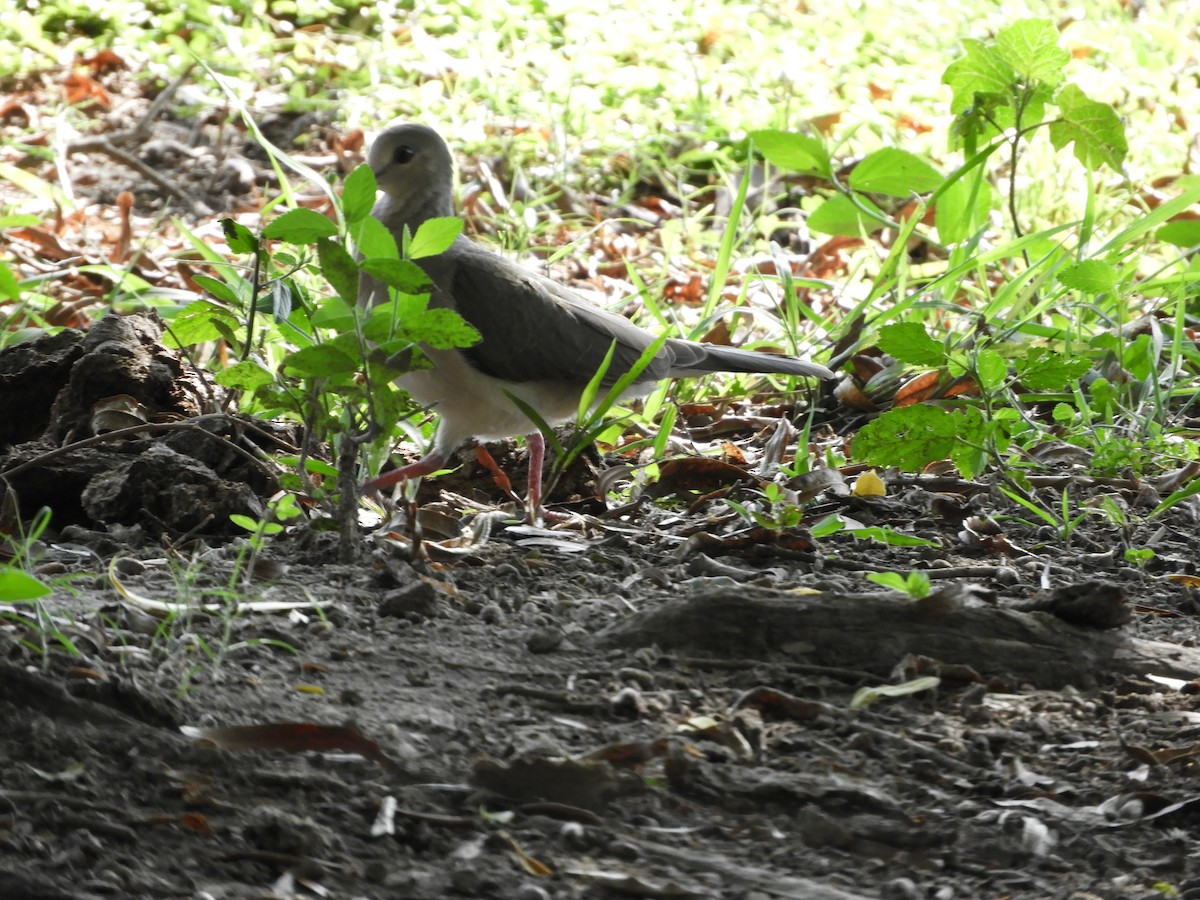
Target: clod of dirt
(178,464)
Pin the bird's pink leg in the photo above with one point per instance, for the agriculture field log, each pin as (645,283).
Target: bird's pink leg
(537,458)
(426,465)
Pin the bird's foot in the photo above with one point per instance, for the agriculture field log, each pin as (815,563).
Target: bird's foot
(534,513)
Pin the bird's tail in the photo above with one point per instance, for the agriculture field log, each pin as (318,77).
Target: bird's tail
(699,359)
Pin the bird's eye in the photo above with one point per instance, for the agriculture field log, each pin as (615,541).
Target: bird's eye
(403,154)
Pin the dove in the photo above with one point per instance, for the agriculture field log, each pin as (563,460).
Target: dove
(539,341)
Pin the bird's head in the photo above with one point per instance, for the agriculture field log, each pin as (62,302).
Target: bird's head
(412,164)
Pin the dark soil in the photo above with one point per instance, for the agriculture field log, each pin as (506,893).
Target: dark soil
(651,702)
(655,701)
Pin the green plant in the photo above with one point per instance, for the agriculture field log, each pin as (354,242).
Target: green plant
(1044,301)
(1062,522)
(22,593)
(281,509)
(308,349)
(916,584)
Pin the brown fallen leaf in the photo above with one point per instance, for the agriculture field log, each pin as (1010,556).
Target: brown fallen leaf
(294,737)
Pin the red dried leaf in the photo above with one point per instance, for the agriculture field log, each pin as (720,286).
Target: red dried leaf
(919,389)
(696,474)
(295,737)
(79,87)
(105,61)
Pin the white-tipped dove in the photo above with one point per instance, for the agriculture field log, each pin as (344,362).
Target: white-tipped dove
(540,342)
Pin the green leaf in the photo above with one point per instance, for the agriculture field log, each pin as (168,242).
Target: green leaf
(443,329)
(829,525)
(909,342)
(434,236)
(1094,127)
(1030,46)
(961,212)
(218,289)
(896,173)
(334,313)
(839,215)
(358,194)
(917,584)
(300,226)
(979,71)
(892,580)
(20,220)
(890,537)
(402,274)
(239,238)
(16,586)
(246,375)
(1182,233)
(1044,370)
(373,239)
(1092,276)
(339,269)
(991,368)
(201,321)
(865,696)
(9,286)
(914,436)
(321,361)
(793,152)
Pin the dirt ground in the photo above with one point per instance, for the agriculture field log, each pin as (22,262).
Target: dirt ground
(646,702)
(654,701)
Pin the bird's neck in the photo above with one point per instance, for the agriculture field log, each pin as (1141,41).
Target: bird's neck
(412,211)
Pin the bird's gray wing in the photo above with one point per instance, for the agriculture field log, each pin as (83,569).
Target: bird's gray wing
(532,328)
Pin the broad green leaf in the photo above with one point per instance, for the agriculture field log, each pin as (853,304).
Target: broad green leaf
(239,238)
(358,194)
(1044,370)
(16,586)
(321,361)
(201,321)
(909,342)
(373,239)
(402,274)
(300,226)
(9,286)
(218,289)
(793,152)
(338,268)
(896,173)
(1092,276)
(829,525)
(1183,233)
(991,368)
(334,313)
(980,70)
(1030,46)
(1094,127)
(434,236)
(838,215)
(914,436)
(20,220)
(443,329)
(893,580)
(245,375)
